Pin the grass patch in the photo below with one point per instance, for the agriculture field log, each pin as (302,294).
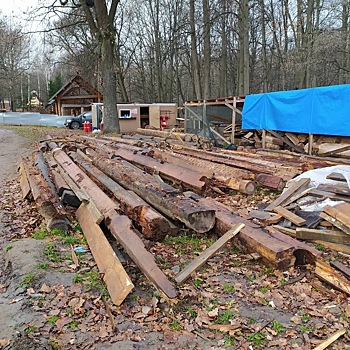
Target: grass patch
(278,327)
(51,253)
(40,234)
(43,266)
(53,319)
(28,280)
(175,325)
(229,288)
(257,338)
(9,247)
(224,318)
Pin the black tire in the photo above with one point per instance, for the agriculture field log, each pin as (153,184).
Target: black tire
(75,125)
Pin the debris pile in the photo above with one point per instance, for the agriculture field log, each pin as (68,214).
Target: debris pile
(139,190)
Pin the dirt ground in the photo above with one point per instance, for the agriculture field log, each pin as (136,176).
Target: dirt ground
(233,302)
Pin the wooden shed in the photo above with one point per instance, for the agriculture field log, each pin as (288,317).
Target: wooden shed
(74,98)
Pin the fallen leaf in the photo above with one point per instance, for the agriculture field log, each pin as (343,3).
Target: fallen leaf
(213,313)
(62,322)
(45,288)
(4,342)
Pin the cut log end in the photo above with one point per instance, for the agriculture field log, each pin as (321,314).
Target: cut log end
(202,221)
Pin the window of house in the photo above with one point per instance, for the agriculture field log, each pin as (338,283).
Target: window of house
(125,114)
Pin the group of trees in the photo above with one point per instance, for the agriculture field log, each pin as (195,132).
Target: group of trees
(178,50)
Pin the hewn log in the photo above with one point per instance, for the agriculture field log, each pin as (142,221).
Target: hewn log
(154,225)
(187,178)
(45,200)
(164,134)
(25,187)
(118,282)
(251,238)
(163,197)
(120,225)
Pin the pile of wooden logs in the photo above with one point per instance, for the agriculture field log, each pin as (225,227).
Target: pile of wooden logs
(127,188)
(325,146)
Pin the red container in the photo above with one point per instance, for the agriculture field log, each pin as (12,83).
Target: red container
(101,126)
(87,127)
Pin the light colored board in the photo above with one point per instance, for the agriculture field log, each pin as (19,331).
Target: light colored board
(333,236)
(288,193)
(331,339)
(118,282)
(287,231)
(335,222)
(343,248)
(207,254)
(25,187)
(295,219)
(327,273)
(339,212)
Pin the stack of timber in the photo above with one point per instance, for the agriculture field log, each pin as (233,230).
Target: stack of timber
(122,186)
(329,226)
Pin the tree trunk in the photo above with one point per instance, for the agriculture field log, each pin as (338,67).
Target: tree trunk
(165,198)
(207,51)
(194,54)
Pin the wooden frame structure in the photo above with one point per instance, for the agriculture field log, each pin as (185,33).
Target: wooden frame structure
(233,102)
(75,97)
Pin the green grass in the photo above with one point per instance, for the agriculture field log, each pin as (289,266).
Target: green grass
(51,253)
(320,247)
(229,288)
(43,266)
(257,338)
(73,324)
(304,328)
(224,318)
(305,318)
(78,278)
(9,247)
(40,234)
(29,329)
(28,280)
(175,325)
(278,327)
(189,310)
(264,290)
(53,319)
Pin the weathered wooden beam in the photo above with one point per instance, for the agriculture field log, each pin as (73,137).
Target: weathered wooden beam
(345,270)
(331,339)
(154,225)
(45,200)
(119,225)
(201,259)
(322,235)
(295,219)
(122,230)
(25,187)
(335,222)
(163,197)
(118,282)
(297,186)
(187,178)
(251,238)
(327,273)
(340,212)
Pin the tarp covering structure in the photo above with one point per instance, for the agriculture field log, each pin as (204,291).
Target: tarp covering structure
(321,110)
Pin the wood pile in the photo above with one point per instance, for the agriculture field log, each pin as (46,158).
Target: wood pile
(328,226)
(123,186)
(324,146)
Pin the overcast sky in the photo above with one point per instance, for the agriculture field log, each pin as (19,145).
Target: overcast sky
(16,7)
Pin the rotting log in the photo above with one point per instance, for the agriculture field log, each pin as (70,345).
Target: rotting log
(187,178)
(251,238)
(162,196)
(118,282)
(48,206)
(120,227)
(154,225)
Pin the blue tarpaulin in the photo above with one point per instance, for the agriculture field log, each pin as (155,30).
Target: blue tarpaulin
(321,110)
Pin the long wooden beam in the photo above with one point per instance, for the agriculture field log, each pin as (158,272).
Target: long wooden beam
(122,227)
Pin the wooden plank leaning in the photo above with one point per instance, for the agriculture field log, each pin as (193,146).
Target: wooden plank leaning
(201,259)
(301,183)
(118,282)
(120,225)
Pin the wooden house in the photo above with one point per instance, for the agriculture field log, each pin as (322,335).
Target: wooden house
(74,98)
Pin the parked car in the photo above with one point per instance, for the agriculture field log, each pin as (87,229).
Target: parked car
(78,121)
